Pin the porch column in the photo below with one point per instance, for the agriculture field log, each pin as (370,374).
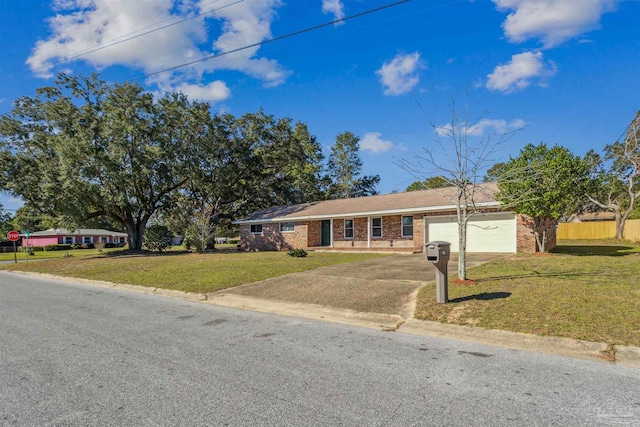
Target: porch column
(368,231)
(331,228)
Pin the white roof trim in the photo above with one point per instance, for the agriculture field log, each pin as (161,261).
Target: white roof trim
(361,214)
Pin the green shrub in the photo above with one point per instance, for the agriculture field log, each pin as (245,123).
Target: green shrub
(298,253)
(34,249)
(57,247)
(157,238)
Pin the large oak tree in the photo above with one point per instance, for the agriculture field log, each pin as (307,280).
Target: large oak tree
(84,149)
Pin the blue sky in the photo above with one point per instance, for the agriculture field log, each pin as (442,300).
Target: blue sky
(566,70)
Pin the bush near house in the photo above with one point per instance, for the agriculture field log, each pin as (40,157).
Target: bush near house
(57,247)
(297,253)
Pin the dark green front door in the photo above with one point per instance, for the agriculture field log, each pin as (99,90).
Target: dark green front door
(326,233)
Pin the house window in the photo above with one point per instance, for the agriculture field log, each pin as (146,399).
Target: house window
(256,228)
(68,240)
(407,226)
(287,227)
(348,229)
(121,239)
(86,239)
(376,227)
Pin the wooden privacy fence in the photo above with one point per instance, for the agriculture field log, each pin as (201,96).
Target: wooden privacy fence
(597,230)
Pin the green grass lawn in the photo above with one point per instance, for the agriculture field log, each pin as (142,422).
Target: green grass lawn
(208,272)
(586,290)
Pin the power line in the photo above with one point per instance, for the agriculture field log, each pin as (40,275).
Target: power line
(629,126)
(271,40)
(112,42)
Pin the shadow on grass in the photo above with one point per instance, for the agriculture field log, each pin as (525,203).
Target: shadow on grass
(536,274)
(487,296)
(595,250)
(131,254)
(144,253)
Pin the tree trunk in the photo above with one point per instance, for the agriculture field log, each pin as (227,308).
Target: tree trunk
(462,244)
(541,243)
(135,233)
(620,222)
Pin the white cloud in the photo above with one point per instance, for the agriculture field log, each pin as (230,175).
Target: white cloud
(523,70)
(214,92)
(334,7)
(493,126)
(82,25)
(372,142)
(247,23)
(400,75)
(552,21)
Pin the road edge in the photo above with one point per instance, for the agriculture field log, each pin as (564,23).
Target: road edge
(621,355)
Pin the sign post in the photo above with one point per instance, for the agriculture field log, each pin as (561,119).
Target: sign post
(14,236)
(27,233)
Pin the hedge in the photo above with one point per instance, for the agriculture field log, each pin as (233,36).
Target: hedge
(57,247)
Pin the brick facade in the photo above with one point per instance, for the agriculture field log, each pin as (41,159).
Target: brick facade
(526,237)
(271,239)
(315,234)
(308,234)
(391,239)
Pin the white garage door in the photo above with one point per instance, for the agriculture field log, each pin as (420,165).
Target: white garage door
(485,233)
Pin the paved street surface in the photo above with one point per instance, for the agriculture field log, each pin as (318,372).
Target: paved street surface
(74,355)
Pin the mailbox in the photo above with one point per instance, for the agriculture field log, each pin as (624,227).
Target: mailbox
(438,253)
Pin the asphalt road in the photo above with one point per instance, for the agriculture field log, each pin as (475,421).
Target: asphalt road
(73,355)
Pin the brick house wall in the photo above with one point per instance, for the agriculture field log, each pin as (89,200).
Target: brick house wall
(308,234)
(271,239)
(314,234)
(391,235)
(525,234)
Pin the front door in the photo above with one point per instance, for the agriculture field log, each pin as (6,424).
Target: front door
(326,233)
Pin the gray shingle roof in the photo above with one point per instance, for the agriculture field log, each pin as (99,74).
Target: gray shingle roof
(387,204)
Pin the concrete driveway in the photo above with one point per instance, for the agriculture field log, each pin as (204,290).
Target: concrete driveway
(382,285)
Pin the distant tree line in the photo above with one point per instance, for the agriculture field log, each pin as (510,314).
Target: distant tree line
(86,152)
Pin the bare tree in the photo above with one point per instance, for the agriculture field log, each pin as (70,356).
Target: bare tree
(461,154)
(617,189)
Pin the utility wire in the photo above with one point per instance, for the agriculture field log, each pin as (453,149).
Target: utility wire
(271,40)
(113,42)
(628,127)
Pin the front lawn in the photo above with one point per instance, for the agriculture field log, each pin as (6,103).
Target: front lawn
(587,290)
(188,272)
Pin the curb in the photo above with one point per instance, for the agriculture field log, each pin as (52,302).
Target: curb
(387,322)
(618,354)
(516,340)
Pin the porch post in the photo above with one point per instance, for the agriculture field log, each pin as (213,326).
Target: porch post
(368,231)
(331,228)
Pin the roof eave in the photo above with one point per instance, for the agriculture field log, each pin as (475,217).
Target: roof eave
(361,214)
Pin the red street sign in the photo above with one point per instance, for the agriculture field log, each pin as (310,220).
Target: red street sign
(13,235)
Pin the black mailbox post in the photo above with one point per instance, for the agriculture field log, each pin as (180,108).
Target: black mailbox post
(439,253)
